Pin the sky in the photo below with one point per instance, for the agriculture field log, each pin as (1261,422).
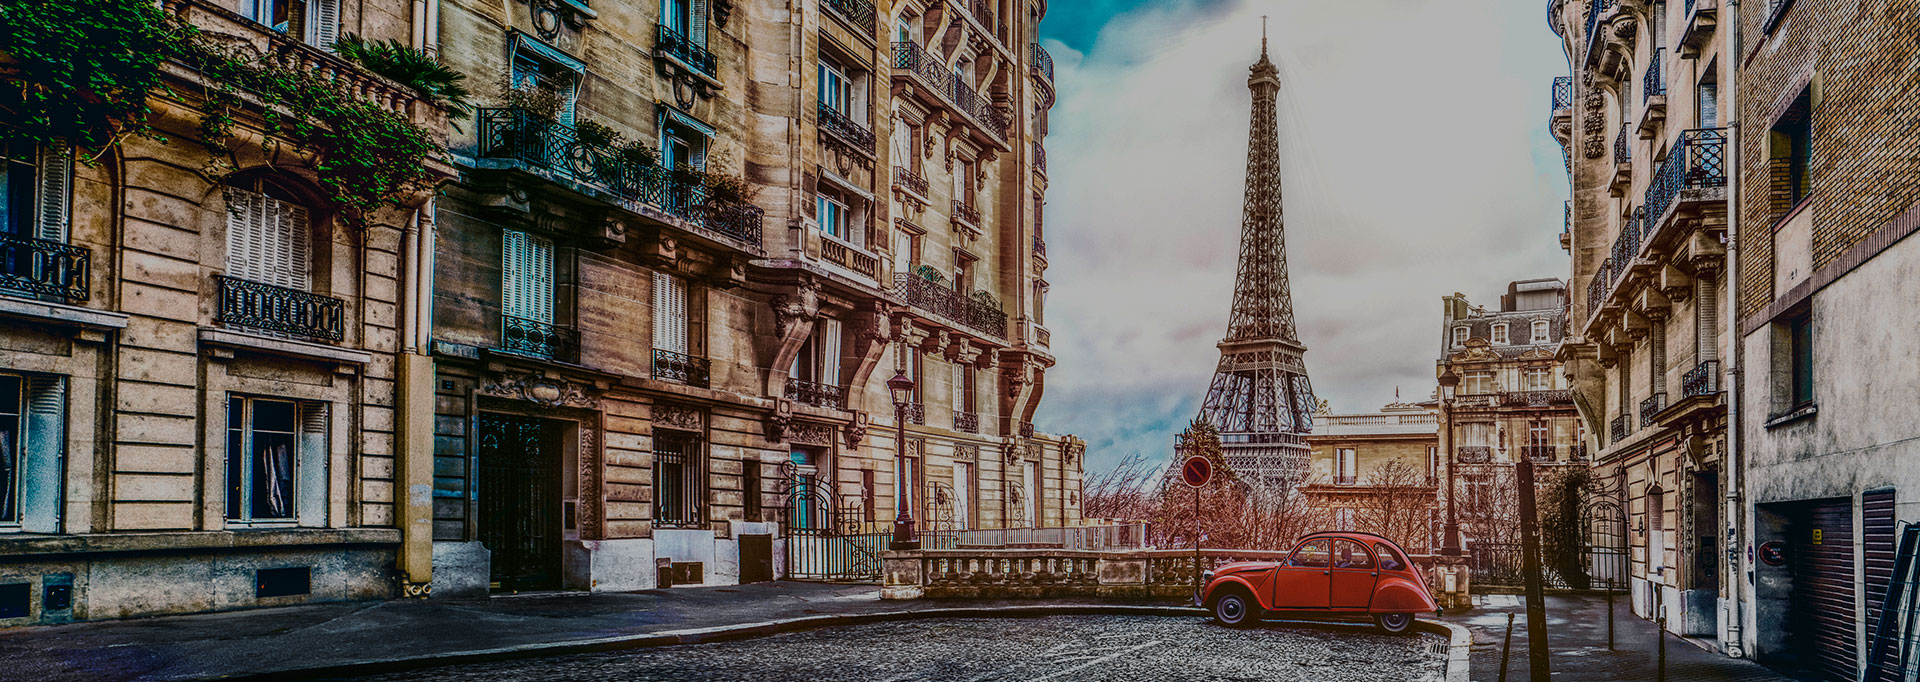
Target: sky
(1415,162)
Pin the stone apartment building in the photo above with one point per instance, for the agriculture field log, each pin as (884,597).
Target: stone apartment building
(1379,472)
(1643,122)
(1508,400)
(200,371)
(580,363)
(641,369)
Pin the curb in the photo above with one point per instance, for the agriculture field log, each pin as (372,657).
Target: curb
(1459,638)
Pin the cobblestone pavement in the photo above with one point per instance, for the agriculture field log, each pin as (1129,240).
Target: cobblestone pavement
(1052,648)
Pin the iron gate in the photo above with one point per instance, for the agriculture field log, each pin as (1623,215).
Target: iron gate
(935,527)
(519,490)
(1602,563)
(827,540)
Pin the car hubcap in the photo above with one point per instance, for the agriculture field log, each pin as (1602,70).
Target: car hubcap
(1395,621)
(1230,608)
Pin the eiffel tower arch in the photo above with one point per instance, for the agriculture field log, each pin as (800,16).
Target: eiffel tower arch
(1260,398)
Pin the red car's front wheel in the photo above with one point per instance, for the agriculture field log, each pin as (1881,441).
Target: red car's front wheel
(1235,609)
(1393,623)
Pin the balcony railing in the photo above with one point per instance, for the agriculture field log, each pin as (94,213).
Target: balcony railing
(914,182)
(1702,380)
(1039,246)
(933,72)
(938,299)
(815,393)
(39,266)
(916,413)
(1474,454)
(848,256)
(837,124)
(965,212)
(1650,407)
(1622,150)
(1540,453)
(557,149)
(279,309)
(1026,429)
(1652,84)
(539,339)
(672,44)
(1563,93)
(983,11)
(1577,451)
(1619,428)
(1541,398)
(1597,287)
(290,53)
(1039,157)
(1345,479)
(859,12)
(1698,161)
(966,421)
(1595,8)
(1042,62)
(680,368)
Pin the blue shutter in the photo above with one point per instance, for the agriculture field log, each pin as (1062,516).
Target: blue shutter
(310,499)
(697,23)
(41,453)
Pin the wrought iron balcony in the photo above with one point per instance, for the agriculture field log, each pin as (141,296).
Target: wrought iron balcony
(1702,380)
(965,212)
(1619,429)
(966,421)
(932,72)
(1043,62)
(913,182)
(1622,149)
(916,413)
(1474,454)
(1563,93)
(858,12)
(1039,157)
(679,47)
(1698,161)
(1652,84)
(1595,8)
(815,393)
(1541,398)
(1540,453)
(539,339)
(1652,406)
(558,150)
(680,368)
(837,124)
(1597,288)
(40,266)
(279,309)
(1039,246)
(1026,429)
(938,299)
(1577,451)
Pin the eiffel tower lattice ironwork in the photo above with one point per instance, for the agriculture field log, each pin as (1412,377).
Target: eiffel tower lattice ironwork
(1260,398)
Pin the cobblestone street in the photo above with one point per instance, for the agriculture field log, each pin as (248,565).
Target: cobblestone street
(1062,648)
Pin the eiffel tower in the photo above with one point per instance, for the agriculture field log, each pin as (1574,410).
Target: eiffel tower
(1260,398)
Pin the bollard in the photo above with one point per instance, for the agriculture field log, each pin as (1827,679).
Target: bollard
(1506,647)
(1609,614)
(1661,632)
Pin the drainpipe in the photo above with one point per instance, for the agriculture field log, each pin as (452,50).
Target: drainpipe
(1736,475)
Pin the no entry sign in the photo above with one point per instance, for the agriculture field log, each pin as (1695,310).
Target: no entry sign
(1196,471)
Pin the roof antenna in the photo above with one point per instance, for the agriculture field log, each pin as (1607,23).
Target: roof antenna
(1263,35)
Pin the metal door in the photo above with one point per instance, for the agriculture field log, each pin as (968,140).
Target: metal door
(1821,621)
(520,502)
(1878,533)
(756,558)
(824,537)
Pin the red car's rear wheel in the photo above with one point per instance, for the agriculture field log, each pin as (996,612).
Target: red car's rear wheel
(1393,623)
(1235,609)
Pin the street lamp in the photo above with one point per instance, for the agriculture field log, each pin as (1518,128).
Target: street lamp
(902,389)
(1450,545)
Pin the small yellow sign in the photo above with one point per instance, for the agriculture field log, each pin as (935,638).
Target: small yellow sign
(1816,536)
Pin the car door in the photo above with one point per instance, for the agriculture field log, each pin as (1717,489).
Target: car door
(1301,582)
(1352,575)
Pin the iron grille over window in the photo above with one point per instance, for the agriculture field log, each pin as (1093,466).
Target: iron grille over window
(1622,150)
(916,413)
(677,46)
(965,213)
(539,339)
(1475,454)
(1538,453)
(1650,407)
(42,266)
(1619,428)
(1026,429)
(678,496)
(279,309)
(680,367)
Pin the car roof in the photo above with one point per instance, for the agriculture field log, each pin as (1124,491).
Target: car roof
(1350,535)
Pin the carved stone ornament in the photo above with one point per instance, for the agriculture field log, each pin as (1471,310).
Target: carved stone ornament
(966,451)
(1009,452)
(857,431)
(541,390)
(780,424)
(811,433)
(589,507)
(674,416)
(1593,120)
(1478,350)
(722,11)
(803,303)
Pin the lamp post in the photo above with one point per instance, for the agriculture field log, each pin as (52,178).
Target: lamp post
(902,389)
(1450,545)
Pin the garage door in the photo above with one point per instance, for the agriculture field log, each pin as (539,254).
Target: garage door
(1823,591)
(1878,533)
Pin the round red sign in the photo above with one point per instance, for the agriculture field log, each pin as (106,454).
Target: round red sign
(1196,471)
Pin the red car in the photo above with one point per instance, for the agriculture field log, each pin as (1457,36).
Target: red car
(1338,572)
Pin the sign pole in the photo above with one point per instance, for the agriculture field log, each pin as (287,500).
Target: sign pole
(1196,471)
(1197,587)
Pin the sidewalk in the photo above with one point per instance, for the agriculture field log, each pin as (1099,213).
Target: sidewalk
(1577,635)
(302,637)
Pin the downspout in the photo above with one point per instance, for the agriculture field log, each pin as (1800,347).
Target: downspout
(1736,474)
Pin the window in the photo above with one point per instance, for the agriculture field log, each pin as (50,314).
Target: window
(1538,434)
(687,18)
(869,494)
(1313,554)
(1343,520)
(1479,381)
(1031,498)
(683,147)
(1800,361)
(1039,302)
(1706,107)
(1344,466)
(536,65)
(963,495)
(1433,463)
(901,143)
(526,277)
(1541,331)
(35,190)
(32,437)
(1390,559)
(1350,554)
(1538,378)
(906,250)
(317,22)
(834,220)
(751,488)
(962,387)
(1500,334)
(268,236)
(1790,157)
(962,272)
(842,89)
(903,30)
(909,480)
(1459,336)
(963,181)
(276,461)
(669,314)
(819,357)
(678,497)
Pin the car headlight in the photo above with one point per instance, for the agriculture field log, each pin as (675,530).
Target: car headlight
(1206,577)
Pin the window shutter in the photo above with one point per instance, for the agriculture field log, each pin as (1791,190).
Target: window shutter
(56,190)
(697,24)
(242,232)
(526,286)
(830,361)
(697,153)
(310,466)
(569,97)
(326,23)
(539,289)
(669,313)
(41,452)
(1709,105)
(959,387)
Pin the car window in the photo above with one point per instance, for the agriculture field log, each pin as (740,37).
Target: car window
(1310,555)
(1350,554)
(1389,558)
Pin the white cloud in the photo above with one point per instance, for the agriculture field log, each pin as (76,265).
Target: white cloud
(1415,163)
